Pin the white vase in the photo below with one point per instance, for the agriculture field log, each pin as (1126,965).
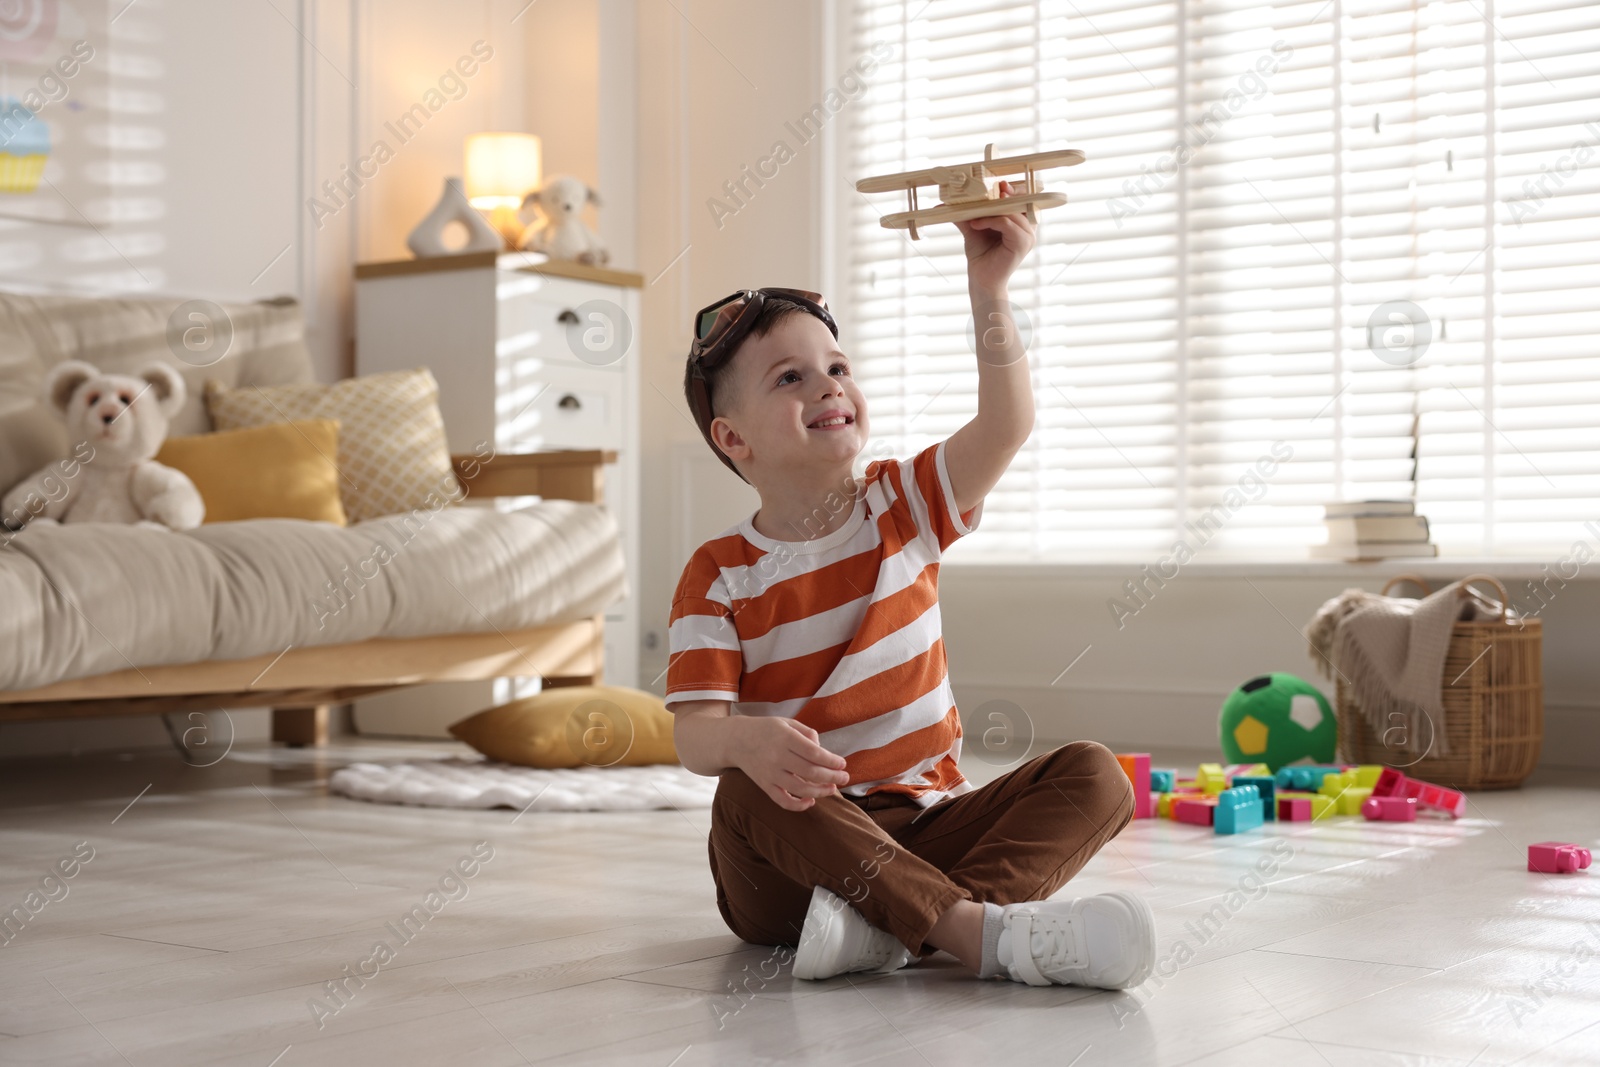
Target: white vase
(428,238)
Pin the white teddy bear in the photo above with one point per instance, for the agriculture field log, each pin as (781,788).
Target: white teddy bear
(117,423)
(564,235)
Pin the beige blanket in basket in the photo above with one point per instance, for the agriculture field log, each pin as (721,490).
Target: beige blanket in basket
(1390,652)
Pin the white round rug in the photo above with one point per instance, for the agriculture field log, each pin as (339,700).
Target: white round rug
(466,783)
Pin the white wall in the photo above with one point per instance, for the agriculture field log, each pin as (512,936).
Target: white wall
(716,85)
(234,114)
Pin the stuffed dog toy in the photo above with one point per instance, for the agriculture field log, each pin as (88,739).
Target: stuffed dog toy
(116,423)
(564,235)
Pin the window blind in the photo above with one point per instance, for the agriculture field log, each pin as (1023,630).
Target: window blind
(1327,250)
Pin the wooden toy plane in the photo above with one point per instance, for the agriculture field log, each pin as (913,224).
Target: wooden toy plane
(971,190)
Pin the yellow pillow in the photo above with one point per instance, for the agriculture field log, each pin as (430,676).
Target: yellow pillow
(574,726)
(282,471)
(392,452)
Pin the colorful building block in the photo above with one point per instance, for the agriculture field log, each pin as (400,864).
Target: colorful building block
(1437,797)
(1251,770)
(1294,809)
(1391,783)
(1265,785)
(1238,809)
(1306,778)
(1556,857)
(1367,775)
(1136,765)
(1349,802)
(1164,805)
(1161,781)
(1212,778)
(1334,784)
(1389,809)
(1198,812)
(1321,806)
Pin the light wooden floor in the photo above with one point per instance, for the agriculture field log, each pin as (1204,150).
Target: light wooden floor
(219,902)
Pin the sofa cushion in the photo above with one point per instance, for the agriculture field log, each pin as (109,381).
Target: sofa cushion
(392,451)
(574,726)
(89,598)
(283,471)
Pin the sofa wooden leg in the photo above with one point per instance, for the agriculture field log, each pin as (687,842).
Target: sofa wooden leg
(298,727)
(568,679)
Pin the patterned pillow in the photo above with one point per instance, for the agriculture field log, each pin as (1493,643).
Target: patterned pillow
(392,452)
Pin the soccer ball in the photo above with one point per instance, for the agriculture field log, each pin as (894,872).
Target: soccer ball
(1277,719)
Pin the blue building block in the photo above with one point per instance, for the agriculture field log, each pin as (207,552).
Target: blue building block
(1267,787)
(1303,779)
(1161,781)
(1238,809)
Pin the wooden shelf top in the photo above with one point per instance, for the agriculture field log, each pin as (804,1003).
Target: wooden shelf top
(531,262)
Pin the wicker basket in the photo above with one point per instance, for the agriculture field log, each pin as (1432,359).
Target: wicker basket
(1493,697)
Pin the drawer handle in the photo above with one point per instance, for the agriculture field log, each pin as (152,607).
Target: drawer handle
(568,317)
(569,403)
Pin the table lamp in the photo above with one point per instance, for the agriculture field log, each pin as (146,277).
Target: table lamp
(501,169)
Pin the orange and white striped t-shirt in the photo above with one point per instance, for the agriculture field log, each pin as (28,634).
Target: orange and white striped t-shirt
(841,633)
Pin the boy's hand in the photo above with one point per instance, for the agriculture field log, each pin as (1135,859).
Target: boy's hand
(995,246)
(783,757)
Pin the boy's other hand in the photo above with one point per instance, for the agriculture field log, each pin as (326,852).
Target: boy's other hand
(995,246)
(785,759)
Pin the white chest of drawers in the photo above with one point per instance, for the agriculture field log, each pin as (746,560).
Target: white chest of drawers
(529,356)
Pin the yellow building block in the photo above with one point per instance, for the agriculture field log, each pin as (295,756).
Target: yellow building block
(1335,784)
(1349,802)
(1261,770)
(1367,775)
(1211,778)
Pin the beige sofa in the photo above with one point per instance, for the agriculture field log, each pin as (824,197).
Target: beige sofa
(111,620)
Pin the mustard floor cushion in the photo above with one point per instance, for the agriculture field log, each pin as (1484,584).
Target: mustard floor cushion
(284,470)
(574,726)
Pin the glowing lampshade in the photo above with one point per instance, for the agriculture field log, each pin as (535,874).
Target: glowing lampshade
(502,168)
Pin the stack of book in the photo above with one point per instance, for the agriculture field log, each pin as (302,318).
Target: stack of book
(1374,529)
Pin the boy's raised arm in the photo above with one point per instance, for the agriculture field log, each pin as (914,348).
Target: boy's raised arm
(979,453)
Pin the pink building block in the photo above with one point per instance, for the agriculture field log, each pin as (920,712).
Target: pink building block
(1439,798)
(1389,809)
(1294,809)
(1136,765)
(1391,783)
(1196,812)
(1556,857)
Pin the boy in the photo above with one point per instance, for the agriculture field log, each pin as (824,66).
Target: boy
(807,670)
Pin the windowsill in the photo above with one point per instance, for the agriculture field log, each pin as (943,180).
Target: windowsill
(1505,568)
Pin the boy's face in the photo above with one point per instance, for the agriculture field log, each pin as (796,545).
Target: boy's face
(792,404)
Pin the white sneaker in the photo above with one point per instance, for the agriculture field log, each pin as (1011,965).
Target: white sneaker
(836,939)
(1107,941)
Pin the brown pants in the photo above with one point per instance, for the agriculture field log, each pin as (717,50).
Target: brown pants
(1021,837)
